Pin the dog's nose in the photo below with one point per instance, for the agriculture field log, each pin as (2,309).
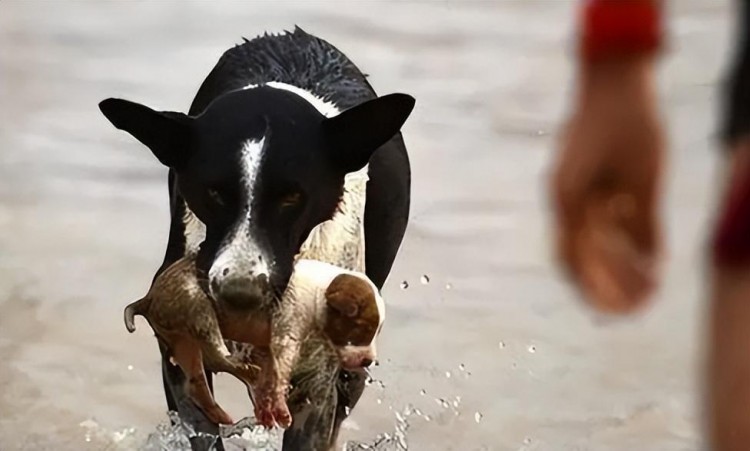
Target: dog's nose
(366,362)
(240,283)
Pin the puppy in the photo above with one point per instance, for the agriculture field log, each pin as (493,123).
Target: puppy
(327,314)
(186,320)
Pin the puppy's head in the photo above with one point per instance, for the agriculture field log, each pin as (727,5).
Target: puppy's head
(355,314)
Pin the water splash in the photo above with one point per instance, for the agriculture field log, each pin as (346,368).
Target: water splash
(175,435)
(389,441)
(117,440)
(425,279)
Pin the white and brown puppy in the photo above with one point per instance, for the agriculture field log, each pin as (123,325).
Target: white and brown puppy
(327,314)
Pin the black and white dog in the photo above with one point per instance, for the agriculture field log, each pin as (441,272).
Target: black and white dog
(259,161)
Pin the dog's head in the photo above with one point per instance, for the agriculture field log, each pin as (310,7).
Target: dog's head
(260,168)
(353,320)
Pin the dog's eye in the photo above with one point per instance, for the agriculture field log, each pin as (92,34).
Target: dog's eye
(290,200)
(216,197)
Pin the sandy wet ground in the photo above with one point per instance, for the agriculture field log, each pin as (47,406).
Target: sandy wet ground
(83,223)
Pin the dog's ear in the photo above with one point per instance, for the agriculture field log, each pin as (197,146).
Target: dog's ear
(355,134)
(166,133)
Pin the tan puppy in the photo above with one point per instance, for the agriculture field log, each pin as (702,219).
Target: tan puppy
(181,315)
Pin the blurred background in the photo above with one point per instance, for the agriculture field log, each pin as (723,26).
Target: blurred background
(483,336)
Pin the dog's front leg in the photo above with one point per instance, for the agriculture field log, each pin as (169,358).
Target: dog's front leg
(179,401)
(350,388)
(312,426)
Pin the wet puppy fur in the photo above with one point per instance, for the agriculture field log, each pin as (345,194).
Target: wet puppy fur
(342,310)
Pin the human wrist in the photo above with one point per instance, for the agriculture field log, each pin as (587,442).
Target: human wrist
(631,78)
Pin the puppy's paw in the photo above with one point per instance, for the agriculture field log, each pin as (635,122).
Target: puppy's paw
(264,414)
(281,413)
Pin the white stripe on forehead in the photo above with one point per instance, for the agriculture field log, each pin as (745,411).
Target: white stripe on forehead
(326,108)
(250,158)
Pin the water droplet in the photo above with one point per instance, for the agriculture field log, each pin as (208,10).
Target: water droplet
(478,416)
(448,286)
(427,418)
(527,441)
(501,345)
(425,279)
(468,374)
(462,367)
(130,367)
(541,133)
(423,392)
(448,374)
(404,285)
(417,412)
(456,403)
(379,401)
(532,349)
(347,410)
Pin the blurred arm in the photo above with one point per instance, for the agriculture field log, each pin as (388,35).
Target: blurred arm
(606,181)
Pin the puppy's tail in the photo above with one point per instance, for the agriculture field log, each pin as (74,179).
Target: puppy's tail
(136,308)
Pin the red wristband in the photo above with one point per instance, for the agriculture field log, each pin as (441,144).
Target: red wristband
(615,28)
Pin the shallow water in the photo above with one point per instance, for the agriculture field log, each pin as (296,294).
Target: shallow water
(83,223)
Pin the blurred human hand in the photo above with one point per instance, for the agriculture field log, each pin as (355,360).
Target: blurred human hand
(605,185)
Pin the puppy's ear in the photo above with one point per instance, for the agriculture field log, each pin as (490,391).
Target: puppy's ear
(355,134)
(345,294)
(166,133)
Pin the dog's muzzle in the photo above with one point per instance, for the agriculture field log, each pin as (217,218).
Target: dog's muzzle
(240,277)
